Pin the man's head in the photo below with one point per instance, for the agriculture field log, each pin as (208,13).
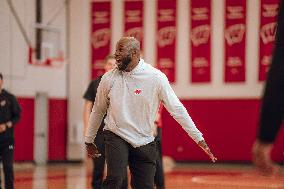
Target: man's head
(1,81)
(127,53)
(109,63)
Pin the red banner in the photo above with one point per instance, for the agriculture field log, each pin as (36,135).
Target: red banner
(166,37)
(200,16)
(268,16)
(100,36)
(235,40)
(133,19)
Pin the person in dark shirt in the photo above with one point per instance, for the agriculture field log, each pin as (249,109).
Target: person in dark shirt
(9,115)
(89,96)
(159,178)
(272,109)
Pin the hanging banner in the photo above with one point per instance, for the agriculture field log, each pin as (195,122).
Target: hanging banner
(100,36)
(235,40)
(166,37)
(133,20)
(200,27)
(268,16)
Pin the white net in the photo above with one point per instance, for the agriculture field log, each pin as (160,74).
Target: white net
(50,44)
(50,47)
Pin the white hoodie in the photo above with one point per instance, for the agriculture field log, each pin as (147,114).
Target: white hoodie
(131,100)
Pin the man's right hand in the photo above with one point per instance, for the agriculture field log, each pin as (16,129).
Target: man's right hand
(92,150)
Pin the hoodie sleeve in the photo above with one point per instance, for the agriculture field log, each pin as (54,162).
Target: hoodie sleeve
(99,110)
(177,110)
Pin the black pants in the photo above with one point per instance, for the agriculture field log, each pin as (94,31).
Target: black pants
(141,161)
(99,164)
(7,156)
(159,175)
(272,110)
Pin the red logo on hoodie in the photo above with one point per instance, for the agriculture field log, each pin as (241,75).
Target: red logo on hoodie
(137,91)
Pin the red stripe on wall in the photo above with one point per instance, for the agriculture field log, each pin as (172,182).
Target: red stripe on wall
(229,127)
(24,131)
(57,129)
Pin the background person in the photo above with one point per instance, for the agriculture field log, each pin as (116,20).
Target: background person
(272,109)
(9,115)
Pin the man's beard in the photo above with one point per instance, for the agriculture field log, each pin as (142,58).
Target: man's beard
(124,63)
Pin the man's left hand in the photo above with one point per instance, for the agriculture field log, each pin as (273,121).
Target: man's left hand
(206,149)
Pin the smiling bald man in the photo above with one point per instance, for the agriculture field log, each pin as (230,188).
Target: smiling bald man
(131,95)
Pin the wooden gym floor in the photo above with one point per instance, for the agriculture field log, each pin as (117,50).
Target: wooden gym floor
(178,176)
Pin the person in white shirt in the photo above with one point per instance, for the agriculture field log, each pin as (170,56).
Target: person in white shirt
(130,96)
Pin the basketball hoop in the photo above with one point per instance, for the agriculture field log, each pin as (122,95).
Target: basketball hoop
(50,48)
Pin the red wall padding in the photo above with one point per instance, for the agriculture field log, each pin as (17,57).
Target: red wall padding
(229,127)
(57,129)
(24,131)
